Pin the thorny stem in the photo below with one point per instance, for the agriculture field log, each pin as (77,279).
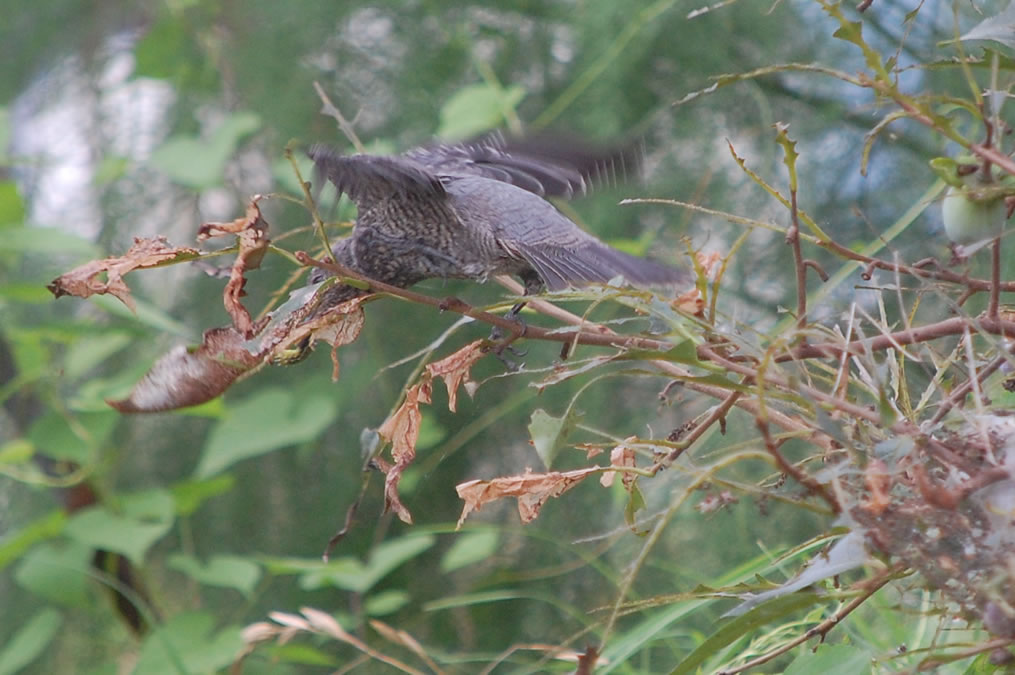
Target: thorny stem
(793,239)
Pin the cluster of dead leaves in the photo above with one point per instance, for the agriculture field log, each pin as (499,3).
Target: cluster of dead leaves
(187,376)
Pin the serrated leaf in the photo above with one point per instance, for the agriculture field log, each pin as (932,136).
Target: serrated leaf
(999,28)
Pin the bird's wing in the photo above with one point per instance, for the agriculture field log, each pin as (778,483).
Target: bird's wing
(546,166)
(561,266)
(370,178)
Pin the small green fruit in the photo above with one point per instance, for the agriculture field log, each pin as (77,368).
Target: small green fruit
(969,220)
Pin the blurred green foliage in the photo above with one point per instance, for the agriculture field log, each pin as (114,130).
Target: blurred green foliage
(182,111)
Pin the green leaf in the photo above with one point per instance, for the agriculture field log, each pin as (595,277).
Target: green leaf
(268,420)
(189,495)
(58,572)
(15,543)
(12,208)
(733,630)
(46,240)
(187,643)
(17,451)
(355,576)
(229,571)
(477,108)
(99,527)
(302,654)
(469,548)
(91,350)
(30,641)
(550,433)
(200,162)
(78,439)
(385,602)
(831,660)
(998,28)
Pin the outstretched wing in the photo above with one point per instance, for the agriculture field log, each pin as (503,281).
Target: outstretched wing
(370,178)
(546,166)
(529,229)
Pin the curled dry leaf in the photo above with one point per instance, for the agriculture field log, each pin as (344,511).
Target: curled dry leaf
(324,622)
(530,489)
(621,456)
(84,280)
(690,302)
(251,232)
(189,376)
(454,369)
(879,486)
(402,431)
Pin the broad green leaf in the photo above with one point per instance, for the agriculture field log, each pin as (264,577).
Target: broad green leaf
(14,543)
(29,641)
(99,527)
(550,433)
(28,293)
(200,162)
(46,240)
(91,350)
(58,572)
(469,548)
(385,602)
(77,440)
(352,575)
(12,208)
(188,643)
(190,495)
(229,571)
(477,108)
(268,420)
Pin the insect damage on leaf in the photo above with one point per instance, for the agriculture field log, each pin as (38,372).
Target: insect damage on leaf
(532,490)
(402,431)
(85,280)
(251,233)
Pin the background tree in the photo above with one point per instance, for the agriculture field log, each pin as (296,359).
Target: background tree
(831,380)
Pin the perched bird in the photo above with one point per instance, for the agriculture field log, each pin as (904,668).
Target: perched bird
(476,209)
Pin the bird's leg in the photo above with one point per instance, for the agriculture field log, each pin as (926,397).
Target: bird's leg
(533,285)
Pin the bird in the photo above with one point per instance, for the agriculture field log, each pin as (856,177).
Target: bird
(476,209)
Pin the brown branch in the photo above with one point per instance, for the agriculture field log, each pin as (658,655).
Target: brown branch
(452,304)
(813,486)
(948,327)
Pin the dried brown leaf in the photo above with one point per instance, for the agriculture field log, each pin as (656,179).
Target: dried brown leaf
(251,232)
(188,376)
(454,369)
(621,456)
(84,280)
(325,623)
(402,431)
(690,302)
(532,490)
